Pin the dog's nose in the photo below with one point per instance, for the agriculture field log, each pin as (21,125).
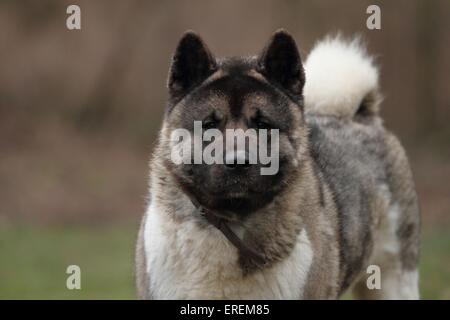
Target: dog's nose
(238,159)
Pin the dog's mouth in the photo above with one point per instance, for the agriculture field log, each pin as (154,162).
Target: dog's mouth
(234,203)
(228,192)
(234,190)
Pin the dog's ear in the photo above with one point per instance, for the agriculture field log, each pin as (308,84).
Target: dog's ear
(192,63)
(280,62)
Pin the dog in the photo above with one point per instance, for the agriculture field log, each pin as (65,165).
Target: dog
(343,197)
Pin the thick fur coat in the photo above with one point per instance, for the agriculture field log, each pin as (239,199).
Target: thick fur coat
(343,199)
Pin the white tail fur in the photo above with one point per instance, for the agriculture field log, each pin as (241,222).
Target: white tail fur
(341,78)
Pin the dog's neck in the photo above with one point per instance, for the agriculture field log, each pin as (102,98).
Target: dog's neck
(220,220)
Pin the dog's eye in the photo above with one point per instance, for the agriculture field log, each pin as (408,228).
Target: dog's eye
(209,124)
(261,124)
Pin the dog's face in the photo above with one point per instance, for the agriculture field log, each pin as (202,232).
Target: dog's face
(237,95)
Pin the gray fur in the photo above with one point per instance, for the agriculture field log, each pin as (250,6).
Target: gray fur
(339,181)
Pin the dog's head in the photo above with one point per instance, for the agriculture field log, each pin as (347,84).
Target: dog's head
(241,95)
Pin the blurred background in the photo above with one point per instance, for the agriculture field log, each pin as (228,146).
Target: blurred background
(80,110)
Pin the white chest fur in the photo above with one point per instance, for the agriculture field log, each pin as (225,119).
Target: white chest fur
(185,261)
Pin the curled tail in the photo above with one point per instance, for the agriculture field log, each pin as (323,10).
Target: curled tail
(341,79)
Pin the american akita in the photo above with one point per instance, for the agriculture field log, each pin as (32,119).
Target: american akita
(343,197)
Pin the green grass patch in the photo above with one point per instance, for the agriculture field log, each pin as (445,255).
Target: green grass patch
(33,262)
(435,264)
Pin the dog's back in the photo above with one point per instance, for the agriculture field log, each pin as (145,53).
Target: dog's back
(365,167)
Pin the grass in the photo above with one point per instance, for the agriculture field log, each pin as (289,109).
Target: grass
(435,264)
(33,262)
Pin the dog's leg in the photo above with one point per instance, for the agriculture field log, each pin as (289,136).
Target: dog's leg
(396,248)
(141,277)
(395,255)
(397,243)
